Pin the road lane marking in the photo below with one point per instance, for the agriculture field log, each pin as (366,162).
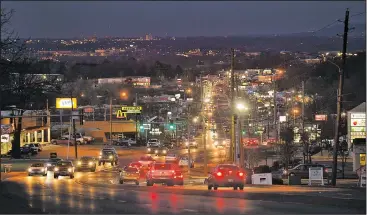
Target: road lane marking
(122,201)
(190,210)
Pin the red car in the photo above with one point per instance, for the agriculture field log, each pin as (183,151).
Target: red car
(165,173)
(142,169)
(226,175)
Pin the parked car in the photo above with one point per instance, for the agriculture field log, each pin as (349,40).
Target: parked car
(169,145)
(37,169)
(65,141)
(29,148)
(302,170)
(39,146)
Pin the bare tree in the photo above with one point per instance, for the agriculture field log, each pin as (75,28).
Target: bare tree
(23,81)
(287,150)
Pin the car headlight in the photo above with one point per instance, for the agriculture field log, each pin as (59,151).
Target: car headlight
(215,143)
(43,169)
(100,153)
(164,151)
(194,143)
(110,157)
(284,172)
(149,150)
(187,143)
(49,164)
(29,170)
(90,163)
(70,169)
(56,169)
(100,156)
(156,151)
(79,163)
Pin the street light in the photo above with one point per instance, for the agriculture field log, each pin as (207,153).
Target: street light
(239,146)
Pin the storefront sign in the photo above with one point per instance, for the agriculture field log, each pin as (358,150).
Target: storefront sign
(282,118)
(88,110)
(5,138)
(357,126)
(65,103)
(322,117)
(131,108)
(120,114)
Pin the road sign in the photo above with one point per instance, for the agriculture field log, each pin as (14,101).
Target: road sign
(131,108)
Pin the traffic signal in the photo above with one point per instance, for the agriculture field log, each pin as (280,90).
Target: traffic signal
(243,132)
(141,127)
(171,126)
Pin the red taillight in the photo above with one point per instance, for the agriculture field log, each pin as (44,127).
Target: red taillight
(240,174)
(219,174)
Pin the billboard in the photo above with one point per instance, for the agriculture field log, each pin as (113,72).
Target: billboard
(65,103)
(321,117)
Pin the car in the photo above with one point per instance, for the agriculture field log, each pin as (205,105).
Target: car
(86,163)
(302,170)
(39,146)
(122,142)
(164,173)
(168,145)
(129,174)
(184,161)
(226,175)
(37,169)
(142,168)
(64,168)
(220,143)
(191,143)
(172,158)
(51,163)
(65,141)
(29,148)
(131,141)
(152,149)
(161,151)
(146,160)
(153,142)
(108,155)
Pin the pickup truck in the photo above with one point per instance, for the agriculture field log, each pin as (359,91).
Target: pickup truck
(64,141)
(81,137)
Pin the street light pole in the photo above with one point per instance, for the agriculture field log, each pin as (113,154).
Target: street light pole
(188,147)
(110,120)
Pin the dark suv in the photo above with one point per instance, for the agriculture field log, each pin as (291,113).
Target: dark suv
(86,163)
(64,168)
(109,156)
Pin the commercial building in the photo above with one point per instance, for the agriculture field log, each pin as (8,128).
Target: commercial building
(137,81)
(356,132)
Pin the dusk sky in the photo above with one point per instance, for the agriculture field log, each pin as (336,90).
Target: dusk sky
(100,18)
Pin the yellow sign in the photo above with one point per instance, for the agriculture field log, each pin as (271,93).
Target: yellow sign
(362,159)
(65,103)
(135,108)
(120,114)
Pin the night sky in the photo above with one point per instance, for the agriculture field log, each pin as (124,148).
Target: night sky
(100,18)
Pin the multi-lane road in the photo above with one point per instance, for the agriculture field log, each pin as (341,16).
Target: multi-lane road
(100,192)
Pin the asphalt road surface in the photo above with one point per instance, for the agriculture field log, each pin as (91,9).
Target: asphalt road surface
(86,194)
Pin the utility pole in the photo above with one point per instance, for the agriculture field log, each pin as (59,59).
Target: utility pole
(110,119)
(204,128)
(233,126)
(305,145)
(340,99)
(188,147)
(136,118)
(275,109)
(73,121)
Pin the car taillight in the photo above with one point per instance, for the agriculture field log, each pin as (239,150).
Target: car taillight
(240,174)
(219,174)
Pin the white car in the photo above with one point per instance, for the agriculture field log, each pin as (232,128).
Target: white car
(37,169)
(130,141)
(153,142)
(184,161)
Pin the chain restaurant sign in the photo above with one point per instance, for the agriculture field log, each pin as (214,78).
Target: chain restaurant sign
(322,117)
(65,103)
(128,109)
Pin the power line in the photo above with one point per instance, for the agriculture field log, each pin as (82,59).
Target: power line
(357,14)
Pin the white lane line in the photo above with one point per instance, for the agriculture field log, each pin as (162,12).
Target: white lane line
(190,210)
(122,201)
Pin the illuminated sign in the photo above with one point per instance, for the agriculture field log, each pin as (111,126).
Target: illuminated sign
(120,114)
(62,103)
(88,110)
(357,126)
(5,138)
(321,117)
(282,118)
(362,159)
(132,108)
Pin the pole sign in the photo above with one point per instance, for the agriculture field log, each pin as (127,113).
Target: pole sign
(66,103)
(322,117)
(128,109)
